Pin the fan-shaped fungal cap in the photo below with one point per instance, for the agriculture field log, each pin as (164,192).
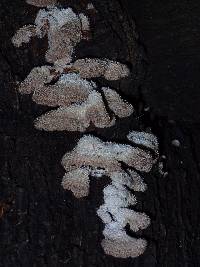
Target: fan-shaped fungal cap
(137,183)
(117,104)
(118,244)
(115,70)
(91,151)
(41,3)
(58,18)
(124,248)
(69,89)
(36,79)
(94,67)
(64,29)
(136,220)
(85,24)
(77,181)
(116,215)
(77,117)
(24,35)
(146,139)
(105,158)
(130,178)
(90,6)
(116,198)
(116,203)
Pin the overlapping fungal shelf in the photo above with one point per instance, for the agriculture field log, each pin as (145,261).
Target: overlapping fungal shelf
(66,84)
(41,3)
(79,102)
(63,28)
(92,157)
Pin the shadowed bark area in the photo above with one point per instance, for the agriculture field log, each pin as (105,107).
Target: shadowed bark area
(43,225)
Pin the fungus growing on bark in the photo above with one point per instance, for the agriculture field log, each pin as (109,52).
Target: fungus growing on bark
(63,85)
(62,26)
(41,3)
(90,6)
(145,139)
(77,117)
(77,181)
(36,80)
(91,151)
(80,104)
(69,89)
(94,67)
(117,104)
(24,35)
(118,244)
(116,214)
(93,157)
(176,143)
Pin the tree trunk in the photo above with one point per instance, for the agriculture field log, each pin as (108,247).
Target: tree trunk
(43,225)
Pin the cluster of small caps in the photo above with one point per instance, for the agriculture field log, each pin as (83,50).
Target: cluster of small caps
(103,158)
(116,214)
(45,3)
(45,74)
(79,104)
(63,28)
(94,157)
(91,151)
(41,3)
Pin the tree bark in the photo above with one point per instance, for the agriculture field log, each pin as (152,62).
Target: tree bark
(43,225)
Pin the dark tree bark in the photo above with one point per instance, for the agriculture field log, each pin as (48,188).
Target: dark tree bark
(40,223)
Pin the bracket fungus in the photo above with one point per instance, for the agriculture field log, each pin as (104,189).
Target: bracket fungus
(92,157)
(41,3)
(93,152)
(94,67)
(145,139)
(77,117)
(79,104)
(69,89)
(63,28)
(120,107)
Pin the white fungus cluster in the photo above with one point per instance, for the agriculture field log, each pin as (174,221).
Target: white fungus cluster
(94,67)
(116,215)
(145,139)
(41,3)
(120,107)
(80,104)
(90,6)
(77,117)
(105,158)
(69,89)
(24,35)
(63,28)
(64,85)
(91,151)
(92,157)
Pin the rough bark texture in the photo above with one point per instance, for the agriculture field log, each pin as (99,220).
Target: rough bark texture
(41,224)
